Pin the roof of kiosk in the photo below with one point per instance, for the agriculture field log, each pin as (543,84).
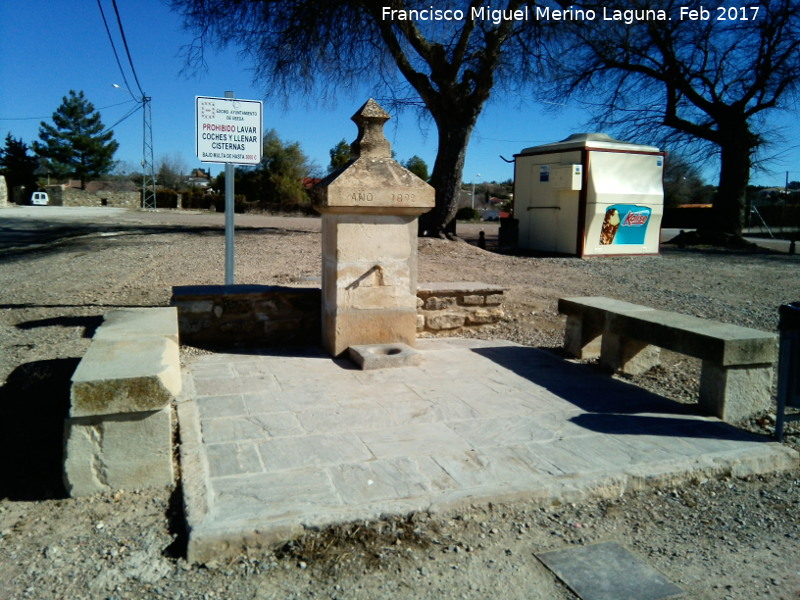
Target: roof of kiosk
(588,140)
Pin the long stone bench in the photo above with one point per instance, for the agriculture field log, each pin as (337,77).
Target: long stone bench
(586,319)
(118,434)
(737,362)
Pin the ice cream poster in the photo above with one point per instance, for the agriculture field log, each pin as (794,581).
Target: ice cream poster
(624,224)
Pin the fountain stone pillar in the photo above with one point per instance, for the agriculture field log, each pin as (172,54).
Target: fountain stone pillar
(369,212)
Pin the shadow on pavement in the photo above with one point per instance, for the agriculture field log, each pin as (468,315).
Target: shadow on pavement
(89,324)
(611,406)
(34,403)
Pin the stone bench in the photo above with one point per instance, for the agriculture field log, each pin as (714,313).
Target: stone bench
(586,319)
(737,362)
(118,434)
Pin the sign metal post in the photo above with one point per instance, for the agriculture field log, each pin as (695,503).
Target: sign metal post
(228,131)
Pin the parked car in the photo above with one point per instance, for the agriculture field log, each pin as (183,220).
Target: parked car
(40,199)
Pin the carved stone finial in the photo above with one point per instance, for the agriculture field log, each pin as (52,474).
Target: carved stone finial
(370,143)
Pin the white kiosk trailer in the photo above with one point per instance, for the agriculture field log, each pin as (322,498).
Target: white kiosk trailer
(589,195)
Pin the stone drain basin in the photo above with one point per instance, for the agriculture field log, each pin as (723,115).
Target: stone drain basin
(382,356)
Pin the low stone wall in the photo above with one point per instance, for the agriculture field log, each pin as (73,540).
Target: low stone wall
(261,315)
(447,308)
(61,195)
(3,192)
(214,316)
(118,434)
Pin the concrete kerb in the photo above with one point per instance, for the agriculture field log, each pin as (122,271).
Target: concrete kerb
(211,540)
(194,475)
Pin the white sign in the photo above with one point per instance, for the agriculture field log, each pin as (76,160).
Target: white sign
(228,130)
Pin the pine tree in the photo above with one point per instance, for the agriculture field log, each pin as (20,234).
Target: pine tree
(418,167)
(17,166)
(76,145)
(340,156)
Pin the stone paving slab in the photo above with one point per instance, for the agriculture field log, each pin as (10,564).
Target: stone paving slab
(608,571)
(273,443)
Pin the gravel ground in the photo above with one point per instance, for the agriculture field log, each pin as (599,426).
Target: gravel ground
(62,269)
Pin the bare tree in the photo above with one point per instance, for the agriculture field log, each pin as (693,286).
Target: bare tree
(704,74)
(172,171)
(683,183)
(448,61)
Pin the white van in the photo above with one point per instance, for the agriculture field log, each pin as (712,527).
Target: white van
(40,199)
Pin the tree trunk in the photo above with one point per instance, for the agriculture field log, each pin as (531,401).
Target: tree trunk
(730,206)
(447,174)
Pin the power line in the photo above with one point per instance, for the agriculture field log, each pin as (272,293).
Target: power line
(50,116)
(114,47)
(132,111)
(148,174)
(125,43)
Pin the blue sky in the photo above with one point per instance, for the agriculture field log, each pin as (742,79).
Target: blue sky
(49,47)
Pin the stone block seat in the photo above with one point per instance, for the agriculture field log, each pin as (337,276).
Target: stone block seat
(118,434)
(737,362)
(586,319)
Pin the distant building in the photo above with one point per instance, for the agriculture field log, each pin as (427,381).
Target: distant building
(772,192)
(198,179)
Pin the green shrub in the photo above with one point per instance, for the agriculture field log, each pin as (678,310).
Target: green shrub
(240,203)
(468,214)
(199,200)
(166,198)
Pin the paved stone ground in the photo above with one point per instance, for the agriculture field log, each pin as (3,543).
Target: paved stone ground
(274,442)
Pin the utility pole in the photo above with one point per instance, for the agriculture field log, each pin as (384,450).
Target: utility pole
(148,164)
(473,190)
(148,167)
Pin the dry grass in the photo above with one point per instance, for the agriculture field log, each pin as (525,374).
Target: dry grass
(361,545)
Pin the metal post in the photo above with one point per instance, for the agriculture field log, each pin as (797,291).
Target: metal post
(473,196)
(229,213)
(144,154)
(788,366)
(473,190)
